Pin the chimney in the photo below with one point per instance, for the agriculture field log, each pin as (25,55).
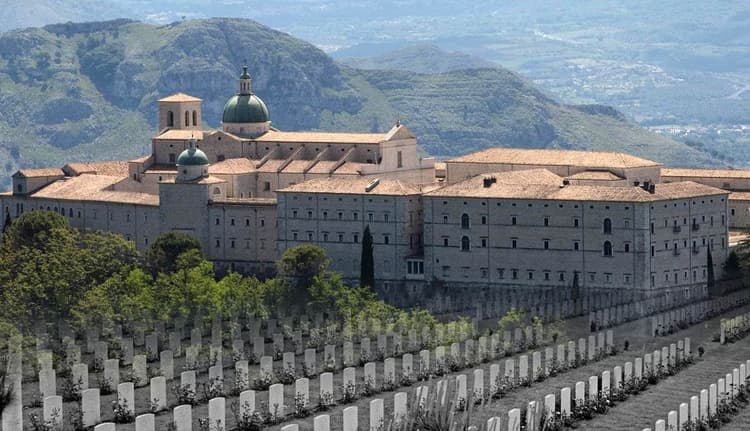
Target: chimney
(488,181)
(652,188)
(646,185)
(636,183)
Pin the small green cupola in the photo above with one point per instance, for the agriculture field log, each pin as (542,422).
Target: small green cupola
(192,163)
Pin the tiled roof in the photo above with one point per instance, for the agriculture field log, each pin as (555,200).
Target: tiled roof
(94,188)
(322,167)
(180,97)
(233,166)
(705,173)
(181,134)
(42,172)
(352,168)
(271,165)
(244,201)
(587,159)
(113,168)
(296,167)
(739,196)
(356,185)
(595,176)
(322,137)
(536,184)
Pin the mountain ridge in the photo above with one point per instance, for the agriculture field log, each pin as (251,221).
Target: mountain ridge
(88,91)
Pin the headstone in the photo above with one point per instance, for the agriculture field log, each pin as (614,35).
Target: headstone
(187,380)
(90,407)
(593,387)
(276,400)
(478,384)
(158,393)
(694,409)
(580,392)
(461,396)
(217,416)
(47,383)
(52,412)
(247,404)
(311,368)
(605,383)
(140,370)
(322,423)
(166,364)
(565,401)
(302,392)
(183,418)
(514,420)
(349,381)
(704,404)
(326,388)
(80,375)
(145,422)
(126,396)
(376,415)
(523,368)
(399,407)
(351,419)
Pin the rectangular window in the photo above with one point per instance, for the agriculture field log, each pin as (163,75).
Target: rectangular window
(546,221)
(483,272)
(575,245)
(386,239)
(484,242)
(399,160)
(514,274)
(546,244)
(247,222)
(266,186)
(325,215)
(561,276)
(501,273)
(341,215)
(217,221)
(445,242)
(370,216)
(627,247)
(325,236)
(575,222)
(231,244)
(218,243)
(592,276)
(355,215)
(514,243)
(294,236)
(546,276)
(531,275)
(262,222)
(341,237)
(513,220)
(484,219)
(309,236)
(355,238)
(309,214)
(385,217)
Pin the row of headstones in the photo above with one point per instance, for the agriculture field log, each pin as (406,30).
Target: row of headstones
(90,397)
(734,325)
(696,312)
(706,403)
(351,416)
(599,385)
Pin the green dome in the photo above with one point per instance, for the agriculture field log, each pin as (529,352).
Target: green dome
(245,108)
(192,157)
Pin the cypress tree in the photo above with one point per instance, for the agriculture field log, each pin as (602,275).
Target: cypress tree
(710,272)
(367,264)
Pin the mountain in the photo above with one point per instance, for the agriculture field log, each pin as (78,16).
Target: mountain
(88,91)
(420,59)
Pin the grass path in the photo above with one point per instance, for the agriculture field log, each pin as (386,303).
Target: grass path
(643,410)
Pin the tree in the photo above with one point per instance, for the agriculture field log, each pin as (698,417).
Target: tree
(161,255)
(31,228)
(367,265)
(711,283)
(732,266)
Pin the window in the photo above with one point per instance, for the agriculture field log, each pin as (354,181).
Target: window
(464,221)
(484,242)
(355,238)
(355,215)
(627,247)
(370,216)
(607,226)
(501,273)
(309,236)
(170,119)
(546,221)
(445,242)
(231,222)
(218,243)
(575,222)
(386,217)
(294,214)
(513,220)
(266,186)
(607,248)
(483,272)
(731,210)
(465,243)
(325,236)
(232,244)
(514,274)
(171,158)
(386,239)
(546,276)
(484,219)
(592,276)
(309,214)
(626,278)
(575,245)
(514,243)
(561,276)
(187,118)
(294,236)
(530,275)
(262,222)
(195,118)
(341,237)
(652,227)
(546,244)
(399,160)
(325,215)
(218,221)
(341,215)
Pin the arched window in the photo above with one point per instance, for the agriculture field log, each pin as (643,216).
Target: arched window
(607,226)
(187,118)
(607,248)
(464,221)
(170,119)
(465,243)
(195,118)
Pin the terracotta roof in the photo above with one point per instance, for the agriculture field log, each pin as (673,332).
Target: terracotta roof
(322,137)
(204,180)
(536,184)
(705,173)
(233,166)
(180,97)
(43,172)
(93,188)
(357,185)
(587,159)
(162,168)
(181,134)
(595,176)
(296,167)
(350,168)
(271,165)
(322,167)
(739,196)
(113,168)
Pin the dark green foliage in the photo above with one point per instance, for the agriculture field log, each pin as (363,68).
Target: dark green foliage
(732,267)
(31,229)
(161,255)
(367,265)
(711,283)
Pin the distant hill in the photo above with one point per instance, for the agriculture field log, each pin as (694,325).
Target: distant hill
(421,59)
(88,91)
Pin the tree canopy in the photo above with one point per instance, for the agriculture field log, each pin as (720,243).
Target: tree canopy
(161,255)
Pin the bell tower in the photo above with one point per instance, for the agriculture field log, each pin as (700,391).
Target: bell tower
(180,111)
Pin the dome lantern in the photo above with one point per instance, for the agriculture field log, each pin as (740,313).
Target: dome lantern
(245,114)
